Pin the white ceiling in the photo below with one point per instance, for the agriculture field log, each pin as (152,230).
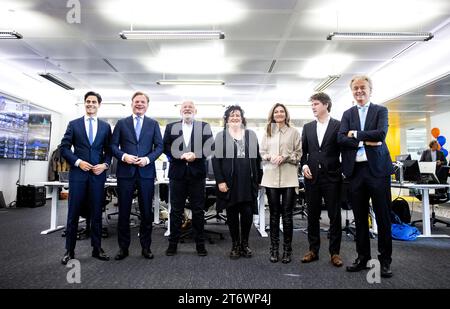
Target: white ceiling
(257,32)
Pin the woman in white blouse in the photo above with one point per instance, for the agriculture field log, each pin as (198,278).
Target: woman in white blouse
(280,152)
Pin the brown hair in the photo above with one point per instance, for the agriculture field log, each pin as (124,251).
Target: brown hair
(140,93)
(323,98)
(271,120)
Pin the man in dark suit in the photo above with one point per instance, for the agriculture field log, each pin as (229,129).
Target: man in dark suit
(186,144)
(367,164)
(90,138)
(322,171)
(435,155)
(136,143)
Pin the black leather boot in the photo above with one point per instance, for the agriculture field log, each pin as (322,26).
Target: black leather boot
(274,254)
(245,250)
(287,253)
(235,250)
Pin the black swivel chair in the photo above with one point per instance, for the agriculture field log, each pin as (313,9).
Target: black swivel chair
(345,204)
(439,197)
(210,200)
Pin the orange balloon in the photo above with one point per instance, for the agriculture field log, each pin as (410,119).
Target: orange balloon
(435,132)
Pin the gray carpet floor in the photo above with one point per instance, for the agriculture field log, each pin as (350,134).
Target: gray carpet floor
(31,260)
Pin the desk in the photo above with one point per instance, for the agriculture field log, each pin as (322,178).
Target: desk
(54,185)
(425,203)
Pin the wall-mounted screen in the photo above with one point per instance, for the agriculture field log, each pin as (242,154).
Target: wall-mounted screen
(24,131)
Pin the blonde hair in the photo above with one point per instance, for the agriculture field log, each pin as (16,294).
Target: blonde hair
(271,120)
(362,77)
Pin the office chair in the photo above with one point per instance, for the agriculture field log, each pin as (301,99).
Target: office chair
(210,201)
(441,196)
(301,200)
(345,204)
(134,205)
(85,232)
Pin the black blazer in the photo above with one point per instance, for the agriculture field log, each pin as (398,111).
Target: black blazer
(200,143)
(224,169)
(327,155)
(375,130)
(426,156)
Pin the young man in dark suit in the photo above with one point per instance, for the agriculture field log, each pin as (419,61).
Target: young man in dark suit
(367,164)
(90,138)
(321,168)
(136,143)
(186,144)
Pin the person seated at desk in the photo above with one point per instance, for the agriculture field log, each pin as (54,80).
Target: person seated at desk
(435,155)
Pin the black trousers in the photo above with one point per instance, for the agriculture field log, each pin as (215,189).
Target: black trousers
(240,215)
(145,190)
(179,191)
(281,202)
(330,192)
(363,187)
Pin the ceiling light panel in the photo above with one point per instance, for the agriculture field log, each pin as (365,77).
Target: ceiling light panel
(173,13)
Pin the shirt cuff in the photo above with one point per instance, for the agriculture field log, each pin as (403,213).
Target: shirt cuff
(148,160)
(123,157)
(303,168)
(355,134)
(107,165)
(77,162)
(361,143)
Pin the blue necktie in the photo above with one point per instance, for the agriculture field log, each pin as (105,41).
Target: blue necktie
(91,131)
(362,120)
(138,127)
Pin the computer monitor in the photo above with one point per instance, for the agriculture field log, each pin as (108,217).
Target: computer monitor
(403,157)
(411,171)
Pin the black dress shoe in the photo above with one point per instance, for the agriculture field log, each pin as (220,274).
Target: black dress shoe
(123,253)
(201,250)
(172,250)
(98,253)
(67,257)
(386,271)
(147,253)
(358,265)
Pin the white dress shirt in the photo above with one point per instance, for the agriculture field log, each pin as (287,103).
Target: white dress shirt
(187,132)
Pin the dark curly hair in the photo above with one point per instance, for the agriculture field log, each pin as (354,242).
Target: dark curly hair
(228,112)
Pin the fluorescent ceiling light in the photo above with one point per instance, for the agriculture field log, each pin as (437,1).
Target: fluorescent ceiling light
(203,104)
(326,83)
(172,13)
(437,95)
(10,34)
(56,80)
(190,82)
(172,35)
(325,65)
(104,103)
(380,36)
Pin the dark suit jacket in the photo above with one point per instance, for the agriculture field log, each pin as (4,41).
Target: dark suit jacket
(376,127)
(97,153)
(327,155)
(201,138)
(124,141)
(441,173)
(426,156)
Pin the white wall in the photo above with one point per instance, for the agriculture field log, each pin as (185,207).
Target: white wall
(61,104)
